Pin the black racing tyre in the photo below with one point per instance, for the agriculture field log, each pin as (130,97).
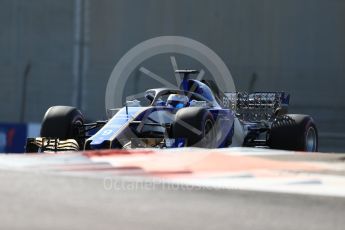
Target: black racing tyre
(294,132)
(196,125)
(62,122)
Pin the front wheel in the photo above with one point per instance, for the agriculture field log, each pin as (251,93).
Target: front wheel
(196,125)
(62,122)
(294,132)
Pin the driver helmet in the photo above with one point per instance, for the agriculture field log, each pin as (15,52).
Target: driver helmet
(177,101)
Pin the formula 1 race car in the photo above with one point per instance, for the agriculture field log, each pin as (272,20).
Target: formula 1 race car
(197,114)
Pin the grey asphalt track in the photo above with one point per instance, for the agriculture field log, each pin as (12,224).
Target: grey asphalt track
(35,200)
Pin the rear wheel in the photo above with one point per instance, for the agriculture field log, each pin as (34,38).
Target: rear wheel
(63,122)
(294,132)
(196,125)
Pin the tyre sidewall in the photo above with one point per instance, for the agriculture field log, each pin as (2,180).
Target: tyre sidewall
(197,118)
(60,122)
(289,132)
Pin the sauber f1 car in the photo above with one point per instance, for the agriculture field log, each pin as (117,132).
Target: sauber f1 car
(197,114)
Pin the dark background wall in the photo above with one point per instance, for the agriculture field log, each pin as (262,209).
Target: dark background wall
(63,51)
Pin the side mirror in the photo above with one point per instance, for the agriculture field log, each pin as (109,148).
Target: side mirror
(134,103)
(149,96)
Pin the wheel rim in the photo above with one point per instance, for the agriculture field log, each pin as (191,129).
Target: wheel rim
(76,124)
(311,142)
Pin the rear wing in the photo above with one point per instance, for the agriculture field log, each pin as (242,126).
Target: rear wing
(257,106)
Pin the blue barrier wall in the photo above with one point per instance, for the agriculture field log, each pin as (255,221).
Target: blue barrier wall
(13,136)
